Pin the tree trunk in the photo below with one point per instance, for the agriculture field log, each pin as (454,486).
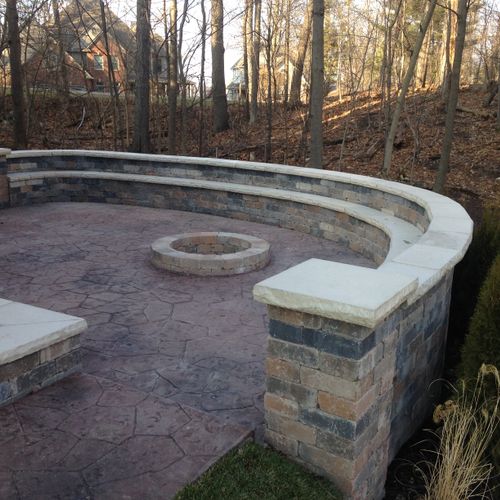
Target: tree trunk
(220,113)
(16,75)
(298,69)
(448,56)
(182,78)
(389,145)
(317,85)
(247,40)
(113,90)
(286,85)
(201,125)
(141,142)
(172,79)
(62,72)
(269,103)
(453,96)
(255,62)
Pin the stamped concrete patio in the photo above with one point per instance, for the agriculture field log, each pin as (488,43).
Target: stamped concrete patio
(173,366)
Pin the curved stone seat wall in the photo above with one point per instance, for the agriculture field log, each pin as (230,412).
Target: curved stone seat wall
(49,186)
(356,189)
(352,351)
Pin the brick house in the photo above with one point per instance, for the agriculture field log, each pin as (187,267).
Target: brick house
(85,55)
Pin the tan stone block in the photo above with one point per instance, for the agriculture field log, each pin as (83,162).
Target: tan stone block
(347,389)
(282,369)
(57,350)
(347,368)
(341,471)
(282,443)
(343,407)
(273,402)
(286,316)
(290,428)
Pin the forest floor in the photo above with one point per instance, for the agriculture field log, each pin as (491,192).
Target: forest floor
(353,137)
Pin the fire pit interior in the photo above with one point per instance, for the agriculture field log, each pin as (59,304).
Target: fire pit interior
(210,254)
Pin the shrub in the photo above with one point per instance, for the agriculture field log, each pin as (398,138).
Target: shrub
(468,278)
(482,344)
(469,423)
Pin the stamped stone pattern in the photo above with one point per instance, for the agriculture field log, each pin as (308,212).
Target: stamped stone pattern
(172,366)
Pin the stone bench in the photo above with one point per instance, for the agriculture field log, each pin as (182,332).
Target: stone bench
(37,348)
(352,352)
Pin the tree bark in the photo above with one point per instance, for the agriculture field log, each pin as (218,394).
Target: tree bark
(389,145)
(141,142)
(298,68)
(247,40)
(255,61)
(16,75)
(269,103)
(172,79)
(62,72)
(182,79)
(113,90)
(220,113)
(453,96)
(317,85)
(201,130)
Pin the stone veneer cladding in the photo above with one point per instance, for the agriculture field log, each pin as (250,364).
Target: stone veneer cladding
(39,369)
(341,398)
(401,207)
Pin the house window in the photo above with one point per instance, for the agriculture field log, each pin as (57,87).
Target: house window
(115,63)
(98,62)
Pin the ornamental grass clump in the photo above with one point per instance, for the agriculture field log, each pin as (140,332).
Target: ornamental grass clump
(468,423)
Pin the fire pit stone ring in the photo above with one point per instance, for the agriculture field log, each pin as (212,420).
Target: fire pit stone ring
(210,253)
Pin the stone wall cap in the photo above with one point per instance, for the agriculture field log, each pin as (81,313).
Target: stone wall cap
(5,151)
(338,291)
(25,329)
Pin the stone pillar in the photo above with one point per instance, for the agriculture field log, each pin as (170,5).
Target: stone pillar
(4,182)
(349,367)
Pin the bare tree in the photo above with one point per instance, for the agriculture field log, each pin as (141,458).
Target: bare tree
(317,85)
(247,50)
(172,79)
(255,60)
(113,88)
(141,142)
(389,144)
(444,161)
(203,34)
(62,72)
(16,72)
(298,67)
(220,113)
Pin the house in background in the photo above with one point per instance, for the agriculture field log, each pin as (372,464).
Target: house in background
(85,54)
(236,89)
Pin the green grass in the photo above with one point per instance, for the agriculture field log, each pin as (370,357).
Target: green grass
(255,472)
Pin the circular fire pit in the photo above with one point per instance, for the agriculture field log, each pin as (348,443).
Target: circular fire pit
(210,254)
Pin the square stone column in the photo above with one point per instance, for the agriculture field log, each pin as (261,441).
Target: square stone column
(349,367)
(4,182)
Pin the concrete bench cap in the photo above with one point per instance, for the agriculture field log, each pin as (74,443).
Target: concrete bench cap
(25,329)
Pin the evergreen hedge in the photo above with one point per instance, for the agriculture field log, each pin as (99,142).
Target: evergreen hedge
(482,344)
(467,280)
